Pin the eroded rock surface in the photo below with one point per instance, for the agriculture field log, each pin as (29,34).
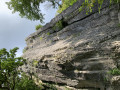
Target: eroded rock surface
(81,53)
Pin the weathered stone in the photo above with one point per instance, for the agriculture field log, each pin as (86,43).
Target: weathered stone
(81,54)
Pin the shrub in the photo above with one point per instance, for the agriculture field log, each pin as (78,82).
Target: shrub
(114,71)
(58,25)
(38,26)
(35,63)
(66,4)
(48,33)
(25,83)
(41,38)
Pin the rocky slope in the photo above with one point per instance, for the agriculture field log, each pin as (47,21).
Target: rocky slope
(76,49)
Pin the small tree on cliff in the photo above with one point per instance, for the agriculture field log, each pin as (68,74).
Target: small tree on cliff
(9,63)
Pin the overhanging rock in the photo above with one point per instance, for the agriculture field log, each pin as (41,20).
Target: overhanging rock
(80,52)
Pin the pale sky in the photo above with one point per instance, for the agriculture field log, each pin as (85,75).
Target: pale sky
(14,29)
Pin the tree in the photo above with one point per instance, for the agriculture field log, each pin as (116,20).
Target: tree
(25,83)
(13,79)
(9,64)
(29,8)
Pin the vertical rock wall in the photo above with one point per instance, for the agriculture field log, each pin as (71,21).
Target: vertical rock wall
(76,49)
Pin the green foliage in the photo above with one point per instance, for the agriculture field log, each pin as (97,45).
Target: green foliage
(49,86)
(65,4)
(58,25)
(48,33)
(35,62)
(107,79)
(26,83)
(89,4)
(29,9)
(114,71)
(9,64)
(41,38)
(10,76)
(119,25)
(38,27)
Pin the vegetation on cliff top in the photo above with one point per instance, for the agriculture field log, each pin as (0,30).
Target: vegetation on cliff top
(30,9)
(38,27)
(65,4)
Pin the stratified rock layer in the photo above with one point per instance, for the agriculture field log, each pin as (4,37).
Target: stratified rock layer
(81,53)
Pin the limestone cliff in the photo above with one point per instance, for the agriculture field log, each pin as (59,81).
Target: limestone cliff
(77,49)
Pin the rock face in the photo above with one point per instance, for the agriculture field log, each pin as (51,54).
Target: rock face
(77,49)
